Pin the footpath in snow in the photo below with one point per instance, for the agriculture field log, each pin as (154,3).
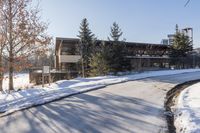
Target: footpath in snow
(187,110)
(37,95)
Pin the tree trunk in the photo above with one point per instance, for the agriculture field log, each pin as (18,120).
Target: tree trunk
(11,71)
(1,83)
(1,74)
(10,21)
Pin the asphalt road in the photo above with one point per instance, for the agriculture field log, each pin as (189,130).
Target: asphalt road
(131,107)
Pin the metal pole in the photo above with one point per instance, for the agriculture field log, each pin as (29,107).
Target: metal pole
(83,71)
(192,47)
(82,61)
(49,76)
(193,58)
(140,64)
(42,79)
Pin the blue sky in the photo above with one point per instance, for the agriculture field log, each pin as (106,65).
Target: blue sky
(140,20)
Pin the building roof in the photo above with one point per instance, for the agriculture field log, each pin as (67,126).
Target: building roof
(137,44)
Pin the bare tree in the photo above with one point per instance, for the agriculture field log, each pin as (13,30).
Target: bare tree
(25,33)
(2,46)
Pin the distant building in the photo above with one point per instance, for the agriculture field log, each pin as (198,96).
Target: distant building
(170,38)
(165,41)
(187,31)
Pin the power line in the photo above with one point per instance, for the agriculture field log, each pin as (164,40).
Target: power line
(187,3)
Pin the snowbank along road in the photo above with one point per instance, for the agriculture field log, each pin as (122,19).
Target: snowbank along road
(186,110)
(135,106)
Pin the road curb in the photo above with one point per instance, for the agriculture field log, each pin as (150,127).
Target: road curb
(170,101)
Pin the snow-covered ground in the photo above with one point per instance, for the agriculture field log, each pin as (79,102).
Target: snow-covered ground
(187,110)
(37,95)
(21,81)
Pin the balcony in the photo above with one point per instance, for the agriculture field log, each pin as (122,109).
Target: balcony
(69,58)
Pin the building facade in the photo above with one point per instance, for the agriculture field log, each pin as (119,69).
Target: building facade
(141,56)
(67,54)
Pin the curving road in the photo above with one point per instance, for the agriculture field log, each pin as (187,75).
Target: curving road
(131,107)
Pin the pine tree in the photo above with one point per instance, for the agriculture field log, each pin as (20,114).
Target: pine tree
(117,60)
(86,42)
(180,48)
(116,32)
(99,61)
(181,45)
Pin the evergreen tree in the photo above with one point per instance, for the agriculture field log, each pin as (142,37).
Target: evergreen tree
(181,45)
(180,48)
(116,32)
(86,42)
(117,60)
(99,61)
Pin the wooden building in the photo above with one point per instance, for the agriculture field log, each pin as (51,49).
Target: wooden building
(142,56)
(67,54)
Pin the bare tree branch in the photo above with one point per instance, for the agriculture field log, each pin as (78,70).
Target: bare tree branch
(24,33)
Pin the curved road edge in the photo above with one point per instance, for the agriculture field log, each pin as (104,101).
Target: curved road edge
(170,100)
